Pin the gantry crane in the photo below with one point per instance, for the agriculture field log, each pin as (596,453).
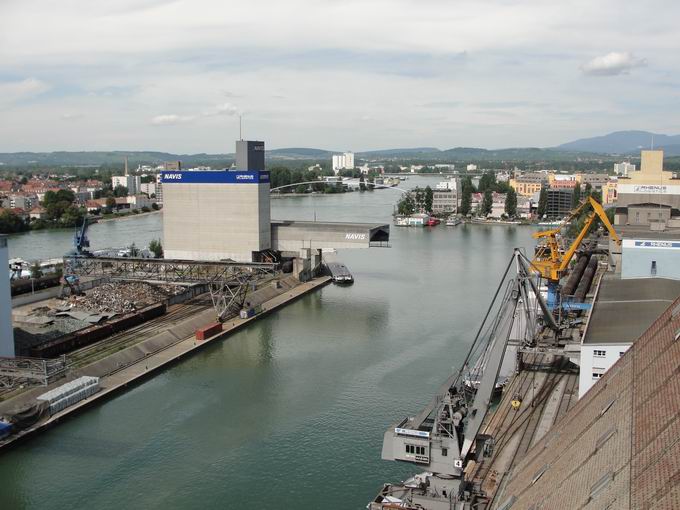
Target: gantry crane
(551,260)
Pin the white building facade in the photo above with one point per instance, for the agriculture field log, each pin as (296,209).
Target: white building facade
(645,258)
(6,332)
(596,359)
(133,183)
(623,169)
(343,161)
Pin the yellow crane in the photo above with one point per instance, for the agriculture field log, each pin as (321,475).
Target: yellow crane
(550,260)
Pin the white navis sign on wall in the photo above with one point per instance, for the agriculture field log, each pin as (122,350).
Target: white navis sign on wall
(355,237)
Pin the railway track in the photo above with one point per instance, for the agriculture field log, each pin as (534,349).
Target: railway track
(516,428)
(130,337)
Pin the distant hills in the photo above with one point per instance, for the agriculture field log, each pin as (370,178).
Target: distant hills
(626,143)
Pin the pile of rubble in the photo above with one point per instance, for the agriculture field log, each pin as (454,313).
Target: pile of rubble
(123,297)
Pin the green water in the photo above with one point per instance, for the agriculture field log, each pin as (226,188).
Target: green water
(289,413)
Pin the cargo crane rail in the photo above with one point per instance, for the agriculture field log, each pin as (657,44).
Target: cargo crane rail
(228,281)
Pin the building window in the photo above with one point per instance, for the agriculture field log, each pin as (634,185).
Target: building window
(622,353)
(599,354)
(445,452)
(653,270)
(597,375)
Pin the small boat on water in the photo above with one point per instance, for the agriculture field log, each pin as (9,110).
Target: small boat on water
(453,221)
(432,222)
(339,273)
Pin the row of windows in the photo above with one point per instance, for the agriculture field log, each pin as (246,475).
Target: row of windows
(602,354)
(417,450)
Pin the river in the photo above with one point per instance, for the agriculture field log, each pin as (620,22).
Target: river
(289,413)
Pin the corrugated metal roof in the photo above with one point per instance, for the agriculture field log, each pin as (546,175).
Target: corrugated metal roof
(625,308)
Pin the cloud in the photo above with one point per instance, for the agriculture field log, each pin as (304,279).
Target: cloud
(613,64)
(423,79)
(13,91)
(170,119)
(223,109)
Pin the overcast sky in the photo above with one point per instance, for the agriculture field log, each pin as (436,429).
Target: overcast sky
(334,74)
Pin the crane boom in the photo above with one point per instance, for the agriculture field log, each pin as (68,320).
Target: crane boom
(549,260)
(445,436)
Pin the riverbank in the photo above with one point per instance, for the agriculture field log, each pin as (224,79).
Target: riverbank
(151,362)
(102,219)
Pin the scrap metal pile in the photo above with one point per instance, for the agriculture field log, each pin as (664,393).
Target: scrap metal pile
(124,297)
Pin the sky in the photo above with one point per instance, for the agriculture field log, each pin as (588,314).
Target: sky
(335,74)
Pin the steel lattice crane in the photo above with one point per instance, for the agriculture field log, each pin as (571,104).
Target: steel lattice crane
(445,436)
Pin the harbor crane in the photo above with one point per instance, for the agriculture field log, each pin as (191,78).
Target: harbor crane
(80,249)
(551,260)
(445,437)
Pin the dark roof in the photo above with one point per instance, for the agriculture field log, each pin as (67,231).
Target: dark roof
(624,308)
(618,446)
(644,232)
(650,205)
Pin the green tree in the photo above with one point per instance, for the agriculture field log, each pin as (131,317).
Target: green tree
(110,204)
(154,206)
(589,189)
(72,216)
(511,203)
(362,183)
(428,198)
(487,181)
(542,203)
(466,201)
(487,202)
(281,176)
(406,204)
(156,248)
(36,271)
(10,222)
(134,251)
(120,191)
(55,197)
(576,198)
(467,183)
